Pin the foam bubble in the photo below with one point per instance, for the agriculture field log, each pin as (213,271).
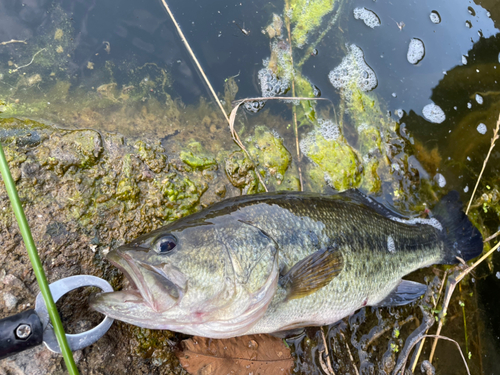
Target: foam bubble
(353,68)
(254,107)
(481,128)
(369,17)
(464,60)
(441,181)
(270,85)
(435,17)
(466,188)
(433,113)
(479,99)
(328,129)
(416,51)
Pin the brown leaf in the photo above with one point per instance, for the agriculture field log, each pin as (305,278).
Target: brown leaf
(253,354)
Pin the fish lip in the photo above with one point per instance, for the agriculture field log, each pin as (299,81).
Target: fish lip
(125,263)
(130,268)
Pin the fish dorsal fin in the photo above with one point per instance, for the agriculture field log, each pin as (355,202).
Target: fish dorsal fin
(355,195)
(313,272)
(406,292)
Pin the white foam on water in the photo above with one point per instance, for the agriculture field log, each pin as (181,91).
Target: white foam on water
(328,129)
(391,246)
(481,128)
(432,222)
(479,99)
(353,68)
(433,113)
(469,105)
(364,126)
(367,16)
(441,181)
(416,51)
(464,60)
(466,189)
(435,17)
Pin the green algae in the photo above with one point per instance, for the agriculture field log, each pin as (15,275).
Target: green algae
(306,17)
(267,150)
(335,158)
(240,171)
(201,160)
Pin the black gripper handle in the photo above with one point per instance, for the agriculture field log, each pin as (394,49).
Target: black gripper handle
(20,332)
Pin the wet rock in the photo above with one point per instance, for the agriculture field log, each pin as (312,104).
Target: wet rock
(10,301)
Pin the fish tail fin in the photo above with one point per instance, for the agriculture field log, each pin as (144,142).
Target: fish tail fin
(461,238)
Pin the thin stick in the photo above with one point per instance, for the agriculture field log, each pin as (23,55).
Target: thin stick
(24,66)
(294,110)
(350,355)
(453,284)
(184,40)
(492,236)
(328,361)
(13,41)
(440,337)
(421,346)
(495,137)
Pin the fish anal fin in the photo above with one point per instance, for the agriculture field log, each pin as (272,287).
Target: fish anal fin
(405,293)
(313,272)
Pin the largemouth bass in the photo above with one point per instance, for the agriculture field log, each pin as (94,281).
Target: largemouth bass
(274,262)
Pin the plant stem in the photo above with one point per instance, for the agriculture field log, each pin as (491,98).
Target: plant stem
(495,137)
(294,110)
(24,228)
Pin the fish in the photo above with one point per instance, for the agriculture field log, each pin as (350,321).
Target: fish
(275,262)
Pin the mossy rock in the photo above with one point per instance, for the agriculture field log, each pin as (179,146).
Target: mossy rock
(240,171)
(267,150)
(197,157)
(334,158)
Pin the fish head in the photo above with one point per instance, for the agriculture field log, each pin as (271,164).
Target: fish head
(194,278)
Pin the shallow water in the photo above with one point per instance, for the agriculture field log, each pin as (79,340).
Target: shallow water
(123,59)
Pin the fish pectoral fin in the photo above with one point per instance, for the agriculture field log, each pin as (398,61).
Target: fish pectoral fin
(313,272)
(406,292)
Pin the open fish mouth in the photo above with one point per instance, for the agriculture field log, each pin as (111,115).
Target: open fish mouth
(149,286)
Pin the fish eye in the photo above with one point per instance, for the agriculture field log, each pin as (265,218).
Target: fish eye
(165,244)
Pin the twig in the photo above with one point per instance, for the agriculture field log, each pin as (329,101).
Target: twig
(186,44)
(327,370)
(449,292)
(495,137)
(24,66)
(294,110)
(13,41)
(350,355)
(440,337)
(328,361)
(420,347)
(492,236)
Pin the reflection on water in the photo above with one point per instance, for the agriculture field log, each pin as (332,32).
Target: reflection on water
(414,99)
